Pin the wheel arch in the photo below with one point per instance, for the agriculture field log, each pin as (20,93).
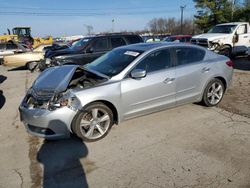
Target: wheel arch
(223,81)
(109,105)
(209,80)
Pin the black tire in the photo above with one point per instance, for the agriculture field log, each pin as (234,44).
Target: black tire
(226,51)
(85,113)
(207,99)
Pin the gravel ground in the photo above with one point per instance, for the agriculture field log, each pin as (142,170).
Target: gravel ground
(190,146)
(237,98)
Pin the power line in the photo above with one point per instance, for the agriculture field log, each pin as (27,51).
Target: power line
(25,13)
(82,9)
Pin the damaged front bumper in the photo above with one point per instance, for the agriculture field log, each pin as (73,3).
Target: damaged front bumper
(47,124)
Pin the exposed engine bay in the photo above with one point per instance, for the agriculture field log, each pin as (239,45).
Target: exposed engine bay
(53,88)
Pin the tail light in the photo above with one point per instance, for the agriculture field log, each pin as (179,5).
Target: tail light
(229,63)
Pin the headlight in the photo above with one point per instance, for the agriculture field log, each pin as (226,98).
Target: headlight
(67,99)
(216,41)
(47,61)
(58,57)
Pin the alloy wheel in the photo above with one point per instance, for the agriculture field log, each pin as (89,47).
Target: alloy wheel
(215,93)
(94,123)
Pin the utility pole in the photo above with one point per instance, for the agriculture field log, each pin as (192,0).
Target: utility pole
(113,25)
(182,8)
(232,4)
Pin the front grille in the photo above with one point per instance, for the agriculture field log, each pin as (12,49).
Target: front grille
(38,99)
(40,130)
(42,95)
(200,42)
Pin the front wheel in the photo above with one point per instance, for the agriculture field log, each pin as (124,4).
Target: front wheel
(93,123)
(213,93)
(226,51)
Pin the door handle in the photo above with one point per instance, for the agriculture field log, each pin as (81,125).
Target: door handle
(168,80)
(245,37)
(205,69)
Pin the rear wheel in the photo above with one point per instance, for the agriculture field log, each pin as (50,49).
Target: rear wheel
(93,123)
(213,93)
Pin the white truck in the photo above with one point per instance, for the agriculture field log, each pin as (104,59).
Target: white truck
(227,39)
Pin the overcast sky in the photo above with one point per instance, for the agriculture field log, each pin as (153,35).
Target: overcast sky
(70,17)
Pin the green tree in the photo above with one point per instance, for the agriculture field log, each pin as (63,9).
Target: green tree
(242,13)
(212,12)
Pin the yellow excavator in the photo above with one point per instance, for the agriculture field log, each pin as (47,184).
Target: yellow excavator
(23,35)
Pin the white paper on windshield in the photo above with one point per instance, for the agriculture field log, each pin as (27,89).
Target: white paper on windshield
(131,53)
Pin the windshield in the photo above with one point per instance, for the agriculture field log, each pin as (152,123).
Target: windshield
(170,39)
(80,44)
(222,29)
(112,63)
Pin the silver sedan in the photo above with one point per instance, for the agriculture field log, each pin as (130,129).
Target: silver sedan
(127,82)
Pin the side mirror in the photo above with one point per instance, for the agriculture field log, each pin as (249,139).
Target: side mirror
(138,73)
(235,38)
(90,50)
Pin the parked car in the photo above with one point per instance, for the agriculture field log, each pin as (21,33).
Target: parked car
(178,38)
(28,59)
(227,39)
(127,82)
(87,49)
(11,47)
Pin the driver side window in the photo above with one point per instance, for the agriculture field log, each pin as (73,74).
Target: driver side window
(242,29)
(155,61)
(100,44)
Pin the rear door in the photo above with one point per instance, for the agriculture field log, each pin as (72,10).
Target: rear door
(153,92)
(191,72)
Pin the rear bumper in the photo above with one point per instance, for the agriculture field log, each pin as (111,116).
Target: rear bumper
(47,124)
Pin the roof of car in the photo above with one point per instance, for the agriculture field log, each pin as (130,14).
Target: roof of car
(152,45)
(233,23)
(180,36)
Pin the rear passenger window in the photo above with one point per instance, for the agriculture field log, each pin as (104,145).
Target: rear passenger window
(117,41)
(100,44)
(133,39)
(189,55)
(159,60)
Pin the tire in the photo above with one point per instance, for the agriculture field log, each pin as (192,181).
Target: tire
(94,128)
(226,51)
(213,93)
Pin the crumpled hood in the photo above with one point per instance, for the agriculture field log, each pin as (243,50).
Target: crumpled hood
(54,79)
(211,36)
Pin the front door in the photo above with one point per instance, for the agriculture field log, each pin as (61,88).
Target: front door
(243,36)
(153,92)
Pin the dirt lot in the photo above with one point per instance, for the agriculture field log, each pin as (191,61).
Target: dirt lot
(237,98)
(188,146)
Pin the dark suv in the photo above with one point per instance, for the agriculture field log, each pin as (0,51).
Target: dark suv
(87,49)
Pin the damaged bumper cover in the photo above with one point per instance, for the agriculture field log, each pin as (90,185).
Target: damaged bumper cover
(51,104)
(47,124)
